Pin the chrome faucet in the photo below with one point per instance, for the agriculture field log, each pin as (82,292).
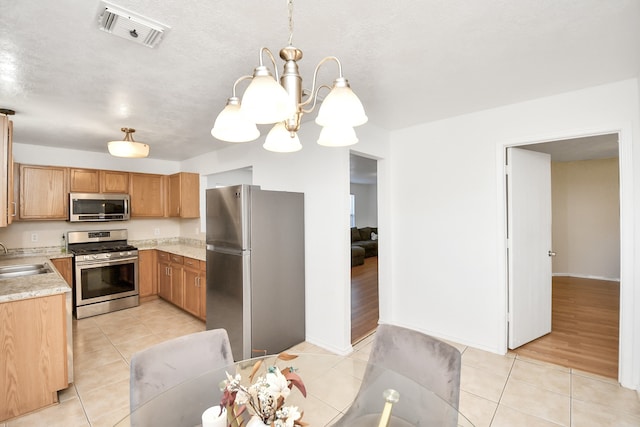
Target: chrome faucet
(4,247)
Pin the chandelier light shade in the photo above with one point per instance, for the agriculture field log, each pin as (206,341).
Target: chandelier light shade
(341,107)
(265,101)
(232,125)
(337,136)
(280,140)
(128,147)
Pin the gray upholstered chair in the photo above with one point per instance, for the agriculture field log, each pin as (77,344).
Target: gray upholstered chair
(169,363)
(431,395)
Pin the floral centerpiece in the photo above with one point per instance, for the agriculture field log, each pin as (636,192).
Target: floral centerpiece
(265,398)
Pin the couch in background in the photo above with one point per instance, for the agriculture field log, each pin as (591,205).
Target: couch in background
(364,244)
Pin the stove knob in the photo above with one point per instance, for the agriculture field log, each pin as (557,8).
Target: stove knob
(94,256)
(107,255)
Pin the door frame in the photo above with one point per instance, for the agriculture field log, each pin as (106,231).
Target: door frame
(628,367)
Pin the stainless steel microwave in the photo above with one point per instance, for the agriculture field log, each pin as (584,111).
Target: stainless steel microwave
(98,207)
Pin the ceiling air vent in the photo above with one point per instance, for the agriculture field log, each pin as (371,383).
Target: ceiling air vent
(129,25)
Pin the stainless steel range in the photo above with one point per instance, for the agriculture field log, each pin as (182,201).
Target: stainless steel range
(105,271)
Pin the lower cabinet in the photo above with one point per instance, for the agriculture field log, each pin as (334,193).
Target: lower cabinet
(177,284)
(147,270)
(203,290)
(34,356)
(181,281)
(164,277)
(195,288)
(65,268)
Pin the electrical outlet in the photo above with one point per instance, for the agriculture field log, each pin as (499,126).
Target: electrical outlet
(34,237)
(156,231)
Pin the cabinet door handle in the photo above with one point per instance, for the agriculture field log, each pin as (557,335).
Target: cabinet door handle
(15,209)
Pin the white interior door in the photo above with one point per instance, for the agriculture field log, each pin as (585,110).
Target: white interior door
(529,245)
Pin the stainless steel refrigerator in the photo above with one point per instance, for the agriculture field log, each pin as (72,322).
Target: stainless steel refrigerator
(255,268)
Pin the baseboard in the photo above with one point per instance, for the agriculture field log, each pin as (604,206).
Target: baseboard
(587,276)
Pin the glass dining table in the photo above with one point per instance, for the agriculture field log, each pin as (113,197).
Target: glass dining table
(336,396)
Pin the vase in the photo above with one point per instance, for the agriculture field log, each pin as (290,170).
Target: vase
(213,418)
(255,421)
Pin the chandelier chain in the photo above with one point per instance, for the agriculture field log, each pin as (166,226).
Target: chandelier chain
(290,7)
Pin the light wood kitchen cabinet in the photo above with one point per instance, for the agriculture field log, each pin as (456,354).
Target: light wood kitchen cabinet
(84,180)
(7,204)
(184,195)
(194,288)
(164,278)
(147,269)
(203,290)
(177,281)
(170,281)
(147,193)
(65,268)
(181,281)
(98,181)
(114,182)
(43,192)
(33,366)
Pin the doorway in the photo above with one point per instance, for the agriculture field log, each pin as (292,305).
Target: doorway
(364,253)
(586,271)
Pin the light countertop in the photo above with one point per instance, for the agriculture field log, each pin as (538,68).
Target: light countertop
(37,285)
(199,253)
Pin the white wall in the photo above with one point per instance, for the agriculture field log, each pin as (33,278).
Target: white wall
(448,249)
(366,196)
(322,174)
(586,218)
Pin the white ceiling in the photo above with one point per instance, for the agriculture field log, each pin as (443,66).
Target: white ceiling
(75,86)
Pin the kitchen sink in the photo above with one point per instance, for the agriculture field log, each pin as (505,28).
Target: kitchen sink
(9,271)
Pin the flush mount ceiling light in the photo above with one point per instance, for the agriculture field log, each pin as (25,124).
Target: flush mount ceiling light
(128,147)
(267,102)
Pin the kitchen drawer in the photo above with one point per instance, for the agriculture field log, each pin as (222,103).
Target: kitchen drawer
(191,262)
(164,256)
(176,259)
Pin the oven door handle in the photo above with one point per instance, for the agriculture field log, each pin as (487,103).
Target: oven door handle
(107,262)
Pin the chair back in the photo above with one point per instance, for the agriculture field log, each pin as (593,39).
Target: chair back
(169,363)
(423,370)
(430,362)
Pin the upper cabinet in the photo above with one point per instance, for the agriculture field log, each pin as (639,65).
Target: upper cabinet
(7,204)
(114,182)
(184,195)
(44,192)
(147,193)
(84,180)
(98,181)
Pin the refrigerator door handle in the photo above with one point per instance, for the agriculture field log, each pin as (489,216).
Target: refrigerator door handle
(225,250)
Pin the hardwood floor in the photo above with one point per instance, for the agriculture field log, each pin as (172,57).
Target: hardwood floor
(364,299)
(585,327)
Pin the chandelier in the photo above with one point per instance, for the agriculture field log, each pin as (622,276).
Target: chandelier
(267,102)
(128,147)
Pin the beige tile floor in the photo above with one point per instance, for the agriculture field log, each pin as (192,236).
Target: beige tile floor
(496,391)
